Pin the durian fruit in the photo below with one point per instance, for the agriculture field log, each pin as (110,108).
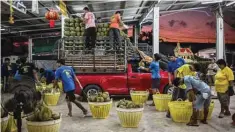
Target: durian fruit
(45,114)
(55,116)
(128,104)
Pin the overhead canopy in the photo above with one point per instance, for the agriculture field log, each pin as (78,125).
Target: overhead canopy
(132,12)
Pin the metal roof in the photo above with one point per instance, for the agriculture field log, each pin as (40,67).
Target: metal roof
(31,24)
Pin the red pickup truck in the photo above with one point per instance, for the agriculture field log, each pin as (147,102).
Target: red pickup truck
(119,83)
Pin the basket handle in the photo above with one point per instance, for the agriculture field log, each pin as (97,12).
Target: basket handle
(179,99)
(158,93)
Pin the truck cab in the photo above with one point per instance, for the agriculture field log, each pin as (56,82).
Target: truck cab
(120,83)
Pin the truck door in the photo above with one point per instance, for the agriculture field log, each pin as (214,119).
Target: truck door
(134,79)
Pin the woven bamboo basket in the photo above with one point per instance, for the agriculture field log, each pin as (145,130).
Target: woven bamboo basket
(100,110)
(161,101)
(46,126)
(139,97)
(4,122)
(129,118)
(51,99)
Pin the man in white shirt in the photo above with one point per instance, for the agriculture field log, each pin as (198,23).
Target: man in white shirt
(90,29)
(211,71)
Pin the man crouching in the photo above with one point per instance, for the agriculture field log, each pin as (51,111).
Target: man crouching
(198,92)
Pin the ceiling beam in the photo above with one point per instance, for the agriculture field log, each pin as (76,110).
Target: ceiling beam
(133,8)
(15,32)
(95,2)
(148,11)
(169,7)
(122,6)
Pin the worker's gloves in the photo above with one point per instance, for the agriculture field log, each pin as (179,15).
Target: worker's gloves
(141,67)
(191,96)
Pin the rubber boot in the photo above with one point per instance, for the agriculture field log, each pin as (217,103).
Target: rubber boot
(227,112)
(206,111)
(193,120)
(221,115)
(79,105)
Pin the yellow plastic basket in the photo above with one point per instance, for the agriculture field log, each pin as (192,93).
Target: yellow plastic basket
(47,126)
(60,86)
(130,118)
(100,110)
(181,111)
(11,125)
(139,97)
(201,113)
(4,122)
(51,99)
(161,101)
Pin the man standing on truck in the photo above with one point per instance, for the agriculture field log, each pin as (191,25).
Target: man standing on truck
(90,29)
(154,68)
(199,93)
(179,92)
(68,77)
(114,30)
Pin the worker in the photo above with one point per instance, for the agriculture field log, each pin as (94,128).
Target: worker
(5,73)
(199,93)
(48,74)
(28,70)
(179,92)
(90,29)
(68,77)
(114,30)
(17,75)
(223,84)
(154,68)
(211,71)
(175,63)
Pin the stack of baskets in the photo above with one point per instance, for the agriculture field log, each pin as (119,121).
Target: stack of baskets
(161,101)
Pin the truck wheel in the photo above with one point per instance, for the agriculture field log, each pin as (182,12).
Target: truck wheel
(91,90)
(168,89)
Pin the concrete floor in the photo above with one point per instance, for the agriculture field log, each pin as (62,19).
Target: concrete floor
(152,121)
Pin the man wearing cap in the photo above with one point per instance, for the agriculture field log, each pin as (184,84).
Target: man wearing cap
(198,92)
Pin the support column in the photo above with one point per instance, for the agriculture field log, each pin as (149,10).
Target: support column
(155,30)
(135,35)
(30,50)
(220,47)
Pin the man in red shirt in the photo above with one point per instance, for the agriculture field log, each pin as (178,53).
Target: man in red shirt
(90,29)
(114,32)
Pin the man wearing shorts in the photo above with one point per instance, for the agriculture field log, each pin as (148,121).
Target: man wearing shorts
(68,77)
(198,92)
(154,68)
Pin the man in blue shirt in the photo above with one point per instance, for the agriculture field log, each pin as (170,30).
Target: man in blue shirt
(68,77)
(174,64)
(48,74)
(154,68)
(199,93)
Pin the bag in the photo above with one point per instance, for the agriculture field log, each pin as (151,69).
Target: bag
(230,91)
